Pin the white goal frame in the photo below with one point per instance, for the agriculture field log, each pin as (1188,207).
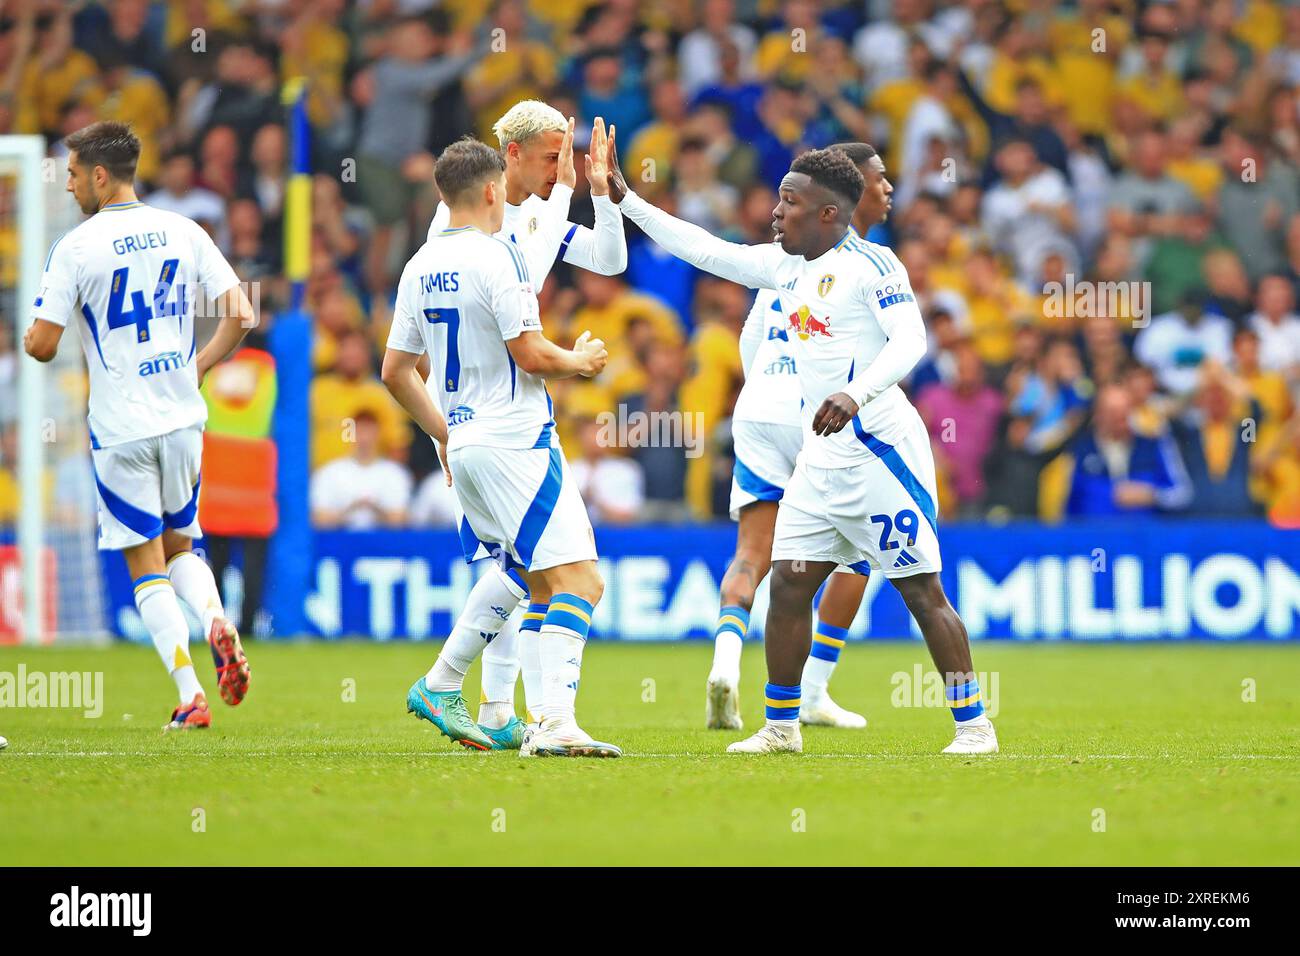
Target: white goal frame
(29,154)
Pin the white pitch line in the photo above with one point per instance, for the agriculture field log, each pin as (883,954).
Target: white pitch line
(236,754)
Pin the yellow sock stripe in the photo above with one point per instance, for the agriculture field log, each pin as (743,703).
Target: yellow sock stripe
(828,641)
(534,616)
(732,619)
(577,611)
(973,699)
(156,582)
(783,703)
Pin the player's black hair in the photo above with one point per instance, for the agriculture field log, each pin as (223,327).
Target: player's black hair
(832,170)
(107,144)
(860,153)
(465,164)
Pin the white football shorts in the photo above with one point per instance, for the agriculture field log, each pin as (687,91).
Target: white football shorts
(765,457)
(148,486)
(877,515)
(521,507)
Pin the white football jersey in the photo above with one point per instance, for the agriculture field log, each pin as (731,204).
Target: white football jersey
(127,277)
(462,296)
(541,229)
(840,311)
(771,390)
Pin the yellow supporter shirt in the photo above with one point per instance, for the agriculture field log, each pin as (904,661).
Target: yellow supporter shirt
(522,71)
(334,399)
(1160,98)
(65,83)
(141,102)
(323,58)
(1202,176)
(658,143)
(611,322)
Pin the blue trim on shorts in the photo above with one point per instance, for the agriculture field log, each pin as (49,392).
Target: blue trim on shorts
(539,512)
(752,484)
(185,517)
(469,542)
(141,522)
(894,462)
(518,578)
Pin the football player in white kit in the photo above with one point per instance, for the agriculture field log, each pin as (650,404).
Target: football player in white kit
(768,433)
(466,299)
(128,278)
(861,495)
(537,142)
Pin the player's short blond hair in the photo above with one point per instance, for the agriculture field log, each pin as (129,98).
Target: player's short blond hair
(526,119)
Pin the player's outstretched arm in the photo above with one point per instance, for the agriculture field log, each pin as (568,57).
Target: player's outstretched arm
(752,266)
(537,355)
(237,318)
(602,249)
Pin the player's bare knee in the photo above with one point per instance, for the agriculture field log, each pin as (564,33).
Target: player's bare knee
(581,579)
(792,583)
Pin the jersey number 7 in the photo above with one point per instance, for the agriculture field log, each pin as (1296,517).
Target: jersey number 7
(451,319)
(140,313)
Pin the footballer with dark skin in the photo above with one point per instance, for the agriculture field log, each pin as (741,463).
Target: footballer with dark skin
(807,221)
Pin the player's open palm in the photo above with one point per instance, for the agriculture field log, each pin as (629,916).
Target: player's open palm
(614,177)
(565,174)
(598,159)
(592,355)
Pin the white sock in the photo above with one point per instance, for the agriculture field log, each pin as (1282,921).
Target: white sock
(816,675)
(487,609)
(195,585)
(530,660)
(786,727)
(163,619)
(733,623)
(501,666)
(726,655)
(561,659)
(500,672)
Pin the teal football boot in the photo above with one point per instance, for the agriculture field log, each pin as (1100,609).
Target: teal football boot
(446,710)
(509,737)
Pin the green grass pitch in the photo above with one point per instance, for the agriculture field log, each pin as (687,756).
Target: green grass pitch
(1111,755)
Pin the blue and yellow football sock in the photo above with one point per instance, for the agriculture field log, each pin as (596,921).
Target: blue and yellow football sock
(530,660)
(965,702)
(562,638)
(827,642)
(733,624)
(782,704)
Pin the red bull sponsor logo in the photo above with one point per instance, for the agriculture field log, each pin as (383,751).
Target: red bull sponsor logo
(805,325)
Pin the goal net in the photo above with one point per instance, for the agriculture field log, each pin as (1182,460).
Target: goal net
(51,582)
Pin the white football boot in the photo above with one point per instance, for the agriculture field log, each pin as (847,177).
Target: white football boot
(563,737)
(821,711)
(769,740)
(3,743)
(974,738)
(722,703)
(526,747)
